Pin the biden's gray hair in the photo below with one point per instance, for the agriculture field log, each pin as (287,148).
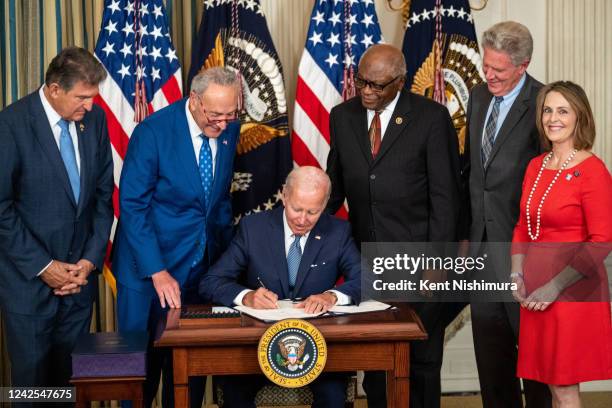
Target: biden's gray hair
(309,178)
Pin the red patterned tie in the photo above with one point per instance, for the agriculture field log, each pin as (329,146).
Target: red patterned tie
(374,134)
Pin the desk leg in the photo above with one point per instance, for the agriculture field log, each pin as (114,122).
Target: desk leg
(181,383)
(398,383)
(81,398)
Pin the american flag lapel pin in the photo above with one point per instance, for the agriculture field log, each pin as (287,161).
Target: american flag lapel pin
(224,141)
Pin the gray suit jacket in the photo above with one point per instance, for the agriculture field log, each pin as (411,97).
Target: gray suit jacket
(495,192)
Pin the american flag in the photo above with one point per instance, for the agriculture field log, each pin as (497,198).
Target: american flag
(135,48)
(339,33)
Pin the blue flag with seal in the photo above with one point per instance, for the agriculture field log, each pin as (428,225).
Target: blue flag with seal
(442,55)
(234,34)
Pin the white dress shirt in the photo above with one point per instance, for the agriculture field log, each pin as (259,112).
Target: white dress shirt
(385,115)
(342,299)
(53,117)
(196,139)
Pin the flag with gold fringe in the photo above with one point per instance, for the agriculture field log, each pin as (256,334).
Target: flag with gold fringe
(233,33)
(442,56)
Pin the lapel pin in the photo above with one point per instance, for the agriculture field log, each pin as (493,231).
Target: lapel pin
(224,142)
(398,120)
(576,173)
(82,127)
(568,177)
(317,237)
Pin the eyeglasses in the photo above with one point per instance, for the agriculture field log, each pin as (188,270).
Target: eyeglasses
(216,118)
(361,83)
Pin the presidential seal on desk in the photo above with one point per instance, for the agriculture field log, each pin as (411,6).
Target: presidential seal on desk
(292,353)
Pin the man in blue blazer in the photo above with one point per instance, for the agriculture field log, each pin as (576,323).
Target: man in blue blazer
(176,214)
(292,252)
(56,214)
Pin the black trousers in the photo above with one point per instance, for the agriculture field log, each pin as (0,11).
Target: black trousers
(425,359)
(495,328)
(40,347)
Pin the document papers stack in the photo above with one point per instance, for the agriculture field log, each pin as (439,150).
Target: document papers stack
(287,310)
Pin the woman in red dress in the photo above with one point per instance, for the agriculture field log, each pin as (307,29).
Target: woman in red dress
(567,199)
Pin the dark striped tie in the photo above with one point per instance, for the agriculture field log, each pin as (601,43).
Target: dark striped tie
(374,134)
(488,139)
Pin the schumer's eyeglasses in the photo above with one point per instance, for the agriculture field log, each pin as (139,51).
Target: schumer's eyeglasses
(361,83)
(216,118)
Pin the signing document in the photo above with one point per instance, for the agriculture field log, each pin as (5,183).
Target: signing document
(287,310)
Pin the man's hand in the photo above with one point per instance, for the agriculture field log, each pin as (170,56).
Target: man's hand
(320,303)
(261,298)
(433,276)
(86,267)
(464,248)
(167,289)
(61,274)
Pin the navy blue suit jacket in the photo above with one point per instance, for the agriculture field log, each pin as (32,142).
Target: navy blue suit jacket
(163,213)
(258,251)
(39,218)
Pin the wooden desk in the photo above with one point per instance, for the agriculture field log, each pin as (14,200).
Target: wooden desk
(369,341)
(108,388)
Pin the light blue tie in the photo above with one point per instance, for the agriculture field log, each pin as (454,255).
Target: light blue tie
(490,129)
(69,158)
(206,176)
(294,256)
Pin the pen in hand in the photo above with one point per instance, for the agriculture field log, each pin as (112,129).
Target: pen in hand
(262,298)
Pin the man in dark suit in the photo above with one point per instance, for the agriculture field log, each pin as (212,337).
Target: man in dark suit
(291,252)
(56,214)
(502,139)
(176,215)
(394,157)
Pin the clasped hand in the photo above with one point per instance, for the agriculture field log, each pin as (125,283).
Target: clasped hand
(66,278)
(263,298)
(538,300)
